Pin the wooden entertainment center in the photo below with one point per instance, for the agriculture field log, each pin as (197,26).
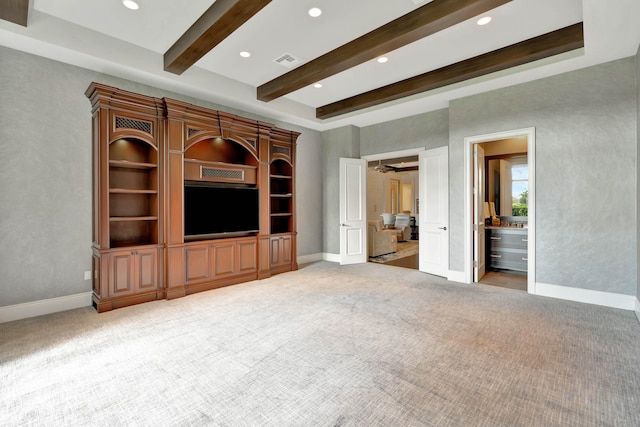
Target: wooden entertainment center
(147,243)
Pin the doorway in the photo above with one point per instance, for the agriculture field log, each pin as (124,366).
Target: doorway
(433,224)
(392,210)
(393,184)
(500,209)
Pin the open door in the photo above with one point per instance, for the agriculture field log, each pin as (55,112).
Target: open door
(433,173)
(479,262)
(353,211)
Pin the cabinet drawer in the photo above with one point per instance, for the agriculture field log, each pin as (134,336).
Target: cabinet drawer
(508,260)
(508,240)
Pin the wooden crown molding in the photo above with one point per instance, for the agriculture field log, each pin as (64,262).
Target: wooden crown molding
(422,22)
(544,46)
(16,11)
(216,24)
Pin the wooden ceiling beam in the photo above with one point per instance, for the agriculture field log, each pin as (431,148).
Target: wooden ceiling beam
(544,46)
(422,22)
(216,24)
(16,11)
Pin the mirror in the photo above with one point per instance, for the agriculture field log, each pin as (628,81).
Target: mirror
(507,182)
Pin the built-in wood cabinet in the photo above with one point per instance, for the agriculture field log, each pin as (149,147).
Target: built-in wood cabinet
(133,271)
(128,132)
(281,252)
(281,185)
(185,198)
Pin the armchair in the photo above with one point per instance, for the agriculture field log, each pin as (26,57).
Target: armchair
(380,241)
(403,227)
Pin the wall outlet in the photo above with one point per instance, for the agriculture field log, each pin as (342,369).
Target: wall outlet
(87,275)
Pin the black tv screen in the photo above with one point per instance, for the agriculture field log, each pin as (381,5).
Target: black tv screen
(212,211)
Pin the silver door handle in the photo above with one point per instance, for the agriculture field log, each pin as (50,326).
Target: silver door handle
(344,225)
(442,228)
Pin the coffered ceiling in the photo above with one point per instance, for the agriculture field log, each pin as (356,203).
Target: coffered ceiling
(436,51)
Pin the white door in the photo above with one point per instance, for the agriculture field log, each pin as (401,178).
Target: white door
(433,173)
(353,211)
(478,213)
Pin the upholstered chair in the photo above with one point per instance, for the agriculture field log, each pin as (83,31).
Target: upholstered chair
(380,240)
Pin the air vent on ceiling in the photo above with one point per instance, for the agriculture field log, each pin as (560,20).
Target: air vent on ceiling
(287,60)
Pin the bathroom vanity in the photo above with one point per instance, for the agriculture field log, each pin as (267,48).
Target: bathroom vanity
(507,247)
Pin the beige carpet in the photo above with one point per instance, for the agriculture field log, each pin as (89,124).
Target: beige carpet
(363,345)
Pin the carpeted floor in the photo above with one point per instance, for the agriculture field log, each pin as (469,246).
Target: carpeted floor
(328,345)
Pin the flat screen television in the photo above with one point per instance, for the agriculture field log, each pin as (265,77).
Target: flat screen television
(219,211)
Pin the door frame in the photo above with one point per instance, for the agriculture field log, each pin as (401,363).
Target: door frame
(393,155)
(530,134)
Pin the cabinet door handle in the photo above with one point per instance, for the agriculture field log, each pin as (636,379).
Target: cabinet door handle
(496,256)
(496,238)
(525,259)
(443,228)
(525,240)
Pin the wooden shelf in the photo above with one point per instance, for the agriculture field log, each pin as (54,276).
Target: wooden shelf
(127,191)
(132,218)
(131,165)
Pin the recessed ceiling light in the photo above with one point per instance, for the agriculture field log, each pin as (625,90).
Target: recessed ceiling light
(484,20)
(130,4)
(317,85)
(383,59)
(245,54)
(315,12)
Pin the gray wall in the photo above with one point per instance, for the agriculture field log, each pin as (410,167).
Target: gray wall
(586,125)
(308,191)
(638,179)
(586,181)
(45,176)
(428,130)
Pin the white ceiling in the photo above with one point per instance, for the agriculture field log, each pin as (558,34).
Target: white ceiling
(105,36)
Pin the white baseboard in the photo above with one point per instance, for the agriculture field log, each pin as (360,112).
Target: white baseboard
(607,299)
(42,307)
(331,257)
(305,259)
(638,309)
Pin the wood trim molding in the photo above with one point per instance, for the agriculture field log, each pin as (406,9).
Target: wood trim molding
(16,11)
(422,22)
(544,46)
(216,24)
